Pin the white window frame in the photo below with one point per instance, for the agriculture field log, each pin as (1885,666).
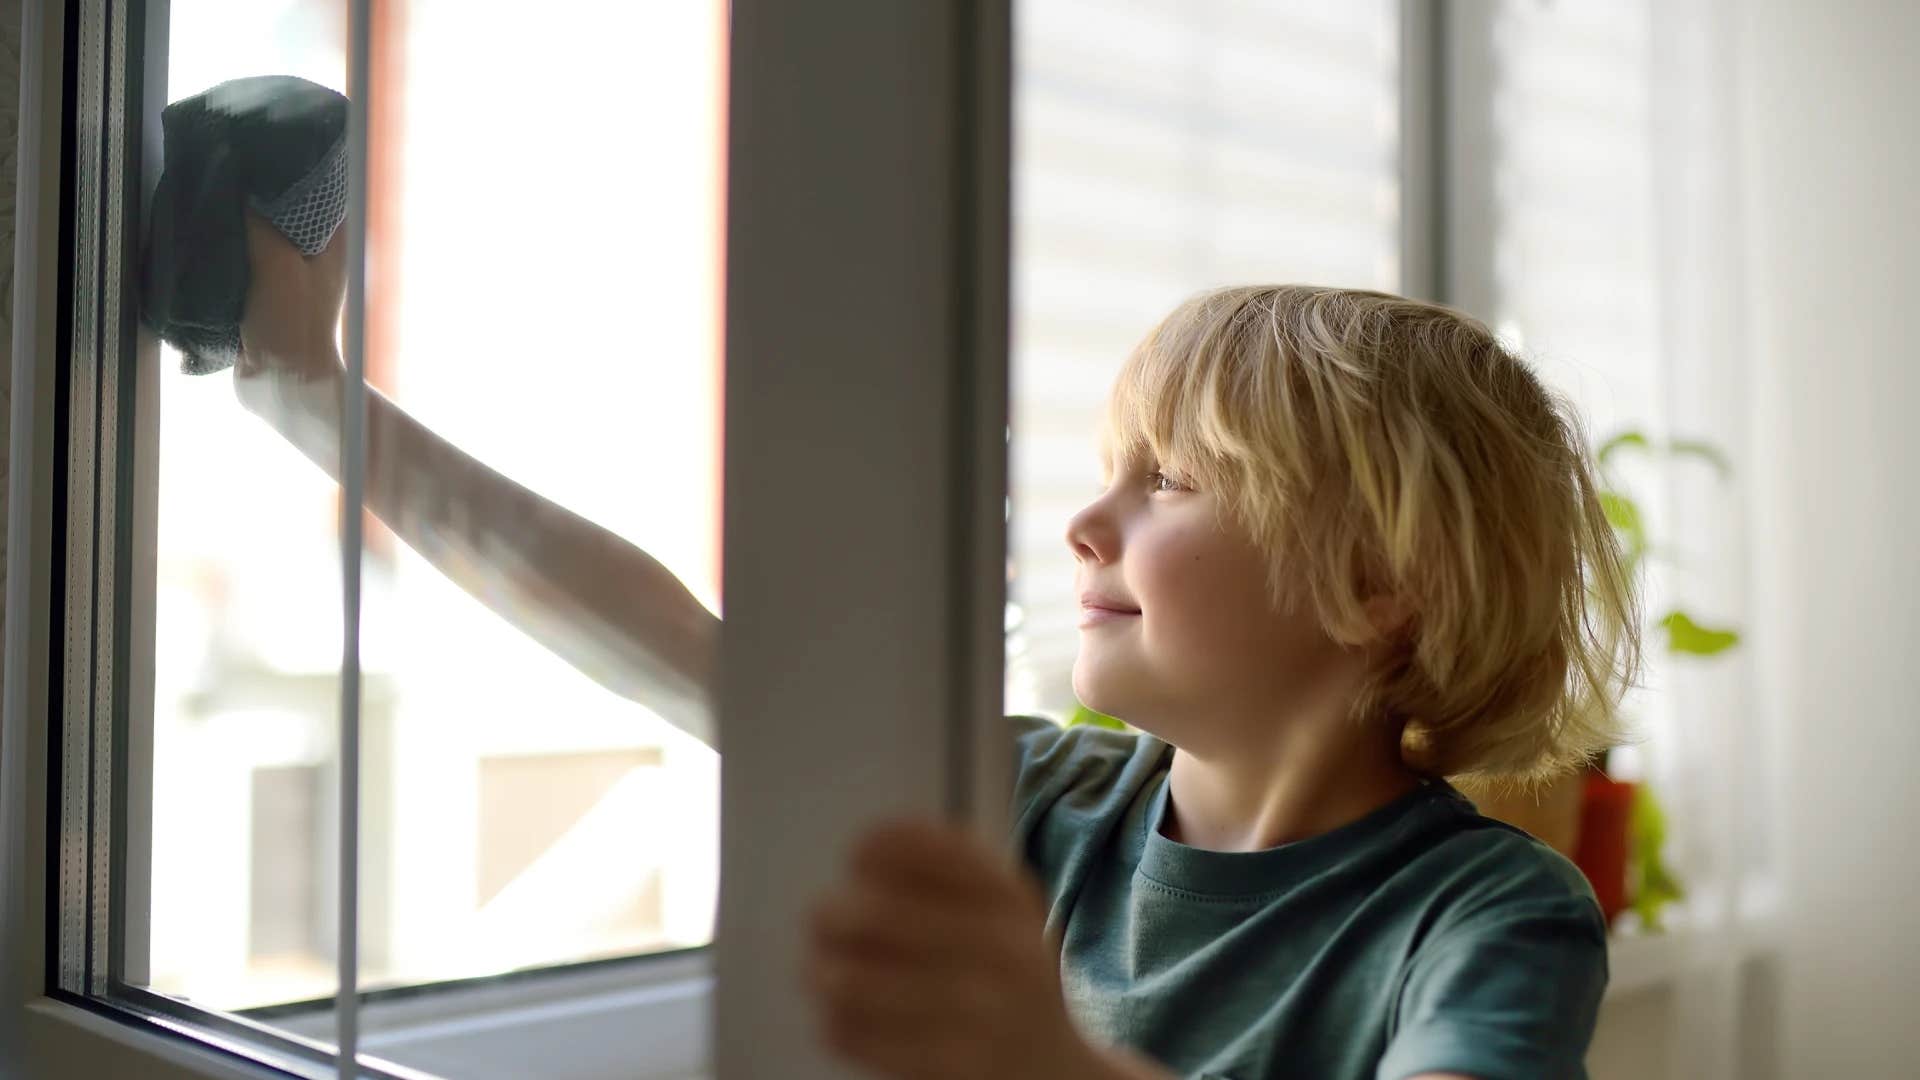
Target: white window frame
(872,135)
(864,574)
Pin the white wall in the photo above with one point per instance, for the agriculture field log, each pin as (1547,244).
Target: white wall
(1830,150)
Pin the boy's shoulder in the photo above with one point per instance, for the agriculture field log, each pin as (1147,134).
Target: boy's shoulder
(1074,786)
(1040,743)
(1055,757)
(1482,867)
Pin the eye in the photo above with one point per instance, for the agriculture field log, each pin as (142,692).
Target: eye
(1162,482)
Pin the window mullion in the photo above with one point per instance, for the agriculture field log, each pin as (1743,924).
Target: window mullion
(132,904)
(1463,87)
(113,521)
(979,784)
(1423,144)
(82,510)
(353,468)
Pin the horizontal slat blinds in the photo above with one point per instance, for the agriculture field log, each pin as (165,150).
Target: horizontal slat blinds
(1160,148)
(1572,252)
(1573,267)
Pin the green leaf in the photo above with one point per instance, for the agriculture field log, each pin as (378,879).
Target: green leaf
(1688,637)
(1693,448)
(1626,438)
(1705,451)
(1083,715)
(1624,515)
(1654,884)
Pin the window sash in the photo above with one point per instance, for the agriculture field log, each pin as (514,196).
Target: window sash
(864,562)
(909,571)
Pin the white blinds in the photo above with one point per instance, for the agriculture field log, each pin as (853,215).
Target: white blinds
(1162,147)
(1572,268)
(1571,265)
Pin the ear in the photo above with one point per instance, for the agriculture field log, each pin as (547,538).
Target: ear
(1390,615)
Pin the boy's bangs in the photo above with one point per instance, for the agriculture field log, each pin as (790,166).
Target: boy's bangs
(1165,411)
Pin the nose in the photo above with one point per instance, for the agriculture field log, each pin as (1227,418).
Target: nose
(1092,534)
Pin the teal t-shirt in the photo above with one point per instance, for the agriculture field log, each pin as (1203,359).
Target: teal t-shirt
(1420,938)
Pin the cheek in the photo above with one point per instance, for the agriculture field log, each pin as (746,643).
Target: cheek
(1205,597)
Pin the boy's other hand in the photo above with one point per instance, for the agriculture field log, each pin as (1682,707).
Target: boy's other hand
(289,371)
(931,961)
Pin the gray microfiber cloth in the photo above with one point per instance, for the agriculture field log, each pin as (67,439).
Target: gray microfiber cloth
(272,142)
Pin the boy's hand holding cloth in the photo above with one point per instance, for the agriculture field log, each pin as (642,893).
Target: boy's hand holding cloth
(930,961)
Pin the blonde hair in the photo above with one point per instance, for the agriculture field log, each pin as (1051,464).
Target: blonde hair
(1375,445)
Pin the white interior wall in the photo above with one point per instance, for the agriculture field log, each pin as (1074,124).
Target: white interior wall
(1830,106)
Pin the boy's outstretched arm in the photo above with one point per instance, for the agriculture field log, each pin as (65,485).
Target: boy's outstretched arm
(599,602)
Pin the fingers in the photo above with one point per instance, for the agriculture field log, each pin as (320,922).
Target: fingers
(266,245)
(943,860)
(293,302)
(269,252)
(330,265)
(878,993)
(865,922)
(901,1016)
(911,1022)
(916,1055)
(931,960)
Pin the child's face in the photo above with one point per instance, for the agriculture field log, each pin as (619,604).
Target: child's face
(1196,647)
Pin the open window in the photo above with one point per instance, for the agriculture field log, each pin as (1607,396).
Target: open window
(672,265)
(292,802)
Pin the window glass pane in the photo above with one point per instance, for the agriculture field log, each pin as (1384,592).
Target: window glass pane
(546,261)
(544,302)
(248,627)
(1161,149)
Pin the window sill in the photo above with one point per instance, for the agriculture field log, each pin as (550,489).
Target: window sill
(61,1037)
(1640,961)
(646,1019)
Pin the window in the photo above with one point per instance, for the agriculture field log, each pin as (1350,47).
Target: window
(157,661)
(506,797)
(537,853)
(1153,159)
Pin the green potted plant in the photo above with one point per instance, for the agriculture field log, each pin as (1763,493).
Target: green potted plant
(1615,830)
(1639,876)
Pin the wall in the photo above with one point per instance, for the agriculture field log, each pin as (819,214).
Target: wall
(1830,102)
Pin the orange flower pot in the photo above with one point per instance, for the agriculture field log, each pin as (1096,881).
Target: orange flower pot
(1605,815)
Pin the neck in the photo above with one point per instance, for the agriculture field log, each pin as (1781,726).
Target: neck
(1315,772)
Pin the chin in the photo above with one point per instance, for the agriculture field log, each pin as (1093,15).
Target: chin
(1102,695)
(1094,692)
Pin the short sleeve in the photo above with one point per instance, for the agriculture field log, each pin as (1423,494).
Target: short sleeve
(1051,759)
(1032,735)
(1511,993)
(1073,781)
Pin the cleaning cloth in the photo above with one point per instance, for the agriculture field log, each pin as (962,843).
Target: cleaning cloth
(275,143)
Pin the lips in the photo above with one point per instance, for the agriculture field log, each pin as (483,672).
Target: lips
(1102,602)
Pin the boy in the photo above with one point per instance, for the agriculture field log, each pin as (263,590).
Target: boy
(1346,546)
